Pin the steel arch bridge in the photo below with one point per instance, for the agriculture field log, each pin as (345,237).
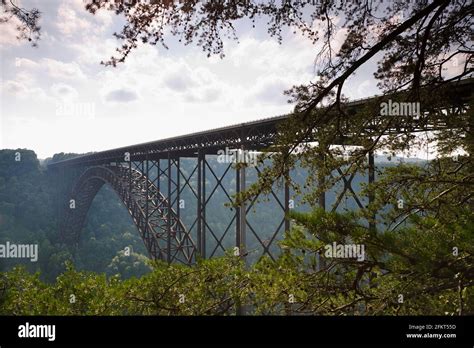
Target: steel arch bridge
(150,181)
(147,206)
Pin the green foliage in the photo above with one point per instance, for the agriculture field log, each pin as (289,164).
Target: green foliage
(127,266)
(213,286)
(416,261)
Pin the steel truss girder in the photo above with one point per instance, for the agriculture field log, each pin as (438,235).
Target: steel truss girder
(254,135)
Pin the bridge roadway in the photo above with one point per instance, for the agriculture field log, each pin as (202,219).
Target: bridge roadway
(254,135)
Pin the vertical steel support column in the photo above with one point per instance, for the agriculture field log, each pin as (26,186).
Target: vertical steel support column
(147,175)
(168,218)
(238,229)
(322,196)
(371,197)
(240,225)
(287,203)
(243,215)
(158,175)
(322,204)
(199,202)
(203,211)
(178,187)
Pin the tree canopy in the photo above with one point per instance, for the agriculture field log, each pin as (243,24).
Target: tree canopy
(27,20)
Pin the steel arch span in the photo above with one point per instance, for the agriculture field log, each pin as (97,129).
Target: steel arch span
(149,209)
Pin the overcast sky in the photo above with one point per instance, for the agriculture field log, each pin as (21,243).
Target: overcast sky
(58,98)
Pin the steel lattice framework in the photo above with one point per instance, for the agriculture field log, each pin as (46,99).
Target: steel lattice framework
(151,212)
(150,180)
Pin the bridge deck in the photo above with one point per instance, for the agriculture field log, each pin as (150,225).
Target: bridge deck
(256,135)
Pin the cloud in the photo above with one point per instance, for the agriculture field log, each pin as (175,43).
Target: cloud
(10,33)
(96,50)
(69,23)
(14,87)
(61,70)
(205,95)
(53,68)
(21,88)
(121,96)
(194,85)
(293,59)
(73,19)
(266,69)
(64,91)
(178,82)
(363,89)
(270,91)
(103,18)
(25,63)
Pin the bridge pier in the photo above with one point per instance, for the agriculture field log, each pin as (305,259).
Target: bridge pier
(287,202)
(241,214)
(371,197)
(200,169)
